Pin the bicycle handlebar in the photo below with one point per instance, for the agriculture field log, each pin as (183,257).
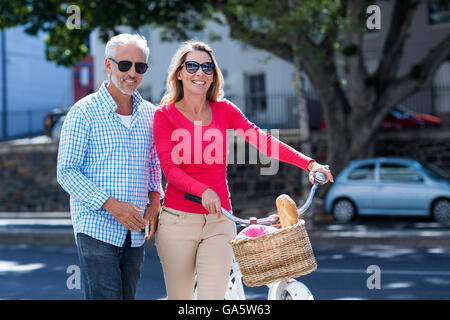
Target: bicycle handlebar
(319,179)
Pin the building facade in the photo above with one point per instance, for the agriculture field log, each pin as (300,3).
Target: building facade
(30,85)
(262,85)
(430,25)
(251,76)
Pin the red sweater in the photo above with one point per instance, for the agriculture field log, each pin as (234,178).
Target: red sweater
(193,157)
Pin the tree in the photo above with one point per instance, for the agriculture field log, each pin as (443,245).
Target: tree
(313,35)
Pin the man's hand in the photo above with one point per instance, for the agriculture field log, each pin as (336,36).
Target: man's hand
(151,215)
(126,213)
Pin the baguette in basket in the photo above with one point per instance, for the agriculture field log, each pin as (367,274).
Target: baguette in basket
(279,255)
(287,211)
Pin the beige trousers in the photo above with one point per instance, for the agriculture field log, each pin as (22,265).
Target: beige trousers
(190,243)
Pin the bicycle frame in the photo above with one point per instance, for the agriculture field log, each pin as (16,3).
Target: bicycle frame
(319,179)
(235,283)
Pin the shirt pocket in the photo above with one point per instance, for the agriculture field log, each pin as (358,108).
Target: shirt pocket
(104,142)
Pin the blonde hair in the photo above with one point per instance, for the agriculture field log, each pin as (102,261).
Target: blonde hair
(174,87)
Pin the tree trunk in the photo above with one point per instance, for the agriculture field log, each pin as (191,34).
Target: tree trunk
(335,109)
(350,129)
(305,135)
(305,139)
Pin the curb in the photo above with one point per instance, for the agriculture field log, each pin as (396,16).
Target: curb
(37,237)
(405,238)
(409,241)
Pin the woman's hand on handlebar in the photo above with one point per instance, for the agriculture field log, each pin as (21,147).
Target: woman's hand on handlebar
(314,167)
(211,202)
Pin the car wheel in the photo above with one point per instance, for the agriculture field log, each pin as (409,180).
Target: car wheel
(441,211)
(344,210)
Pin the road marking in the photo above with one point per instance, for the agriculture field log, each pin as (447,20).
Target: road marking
(384,271)
(13,266)
(35,222)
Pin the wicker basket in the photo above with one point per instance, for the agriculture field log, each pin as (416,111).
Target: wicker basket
(278,256)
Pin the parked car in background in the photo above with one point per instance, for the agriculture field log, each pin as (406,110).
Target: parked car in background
(52,119)
(401,117)
(56,130)
(391,187)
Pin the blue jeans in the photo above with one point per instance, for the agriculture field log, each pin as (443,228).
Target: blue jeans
(109,272)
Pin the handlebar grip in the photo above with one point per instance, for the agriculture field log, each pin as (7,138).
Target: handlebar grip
(193,198)
(320,177)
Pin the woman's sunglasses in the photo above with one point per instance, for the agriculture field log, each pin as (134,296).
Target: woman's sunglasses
(192,67)
(125,65)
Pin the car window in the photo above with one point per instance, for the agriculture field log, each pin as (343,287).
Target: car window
(435,171)
(364,172)
(399,173)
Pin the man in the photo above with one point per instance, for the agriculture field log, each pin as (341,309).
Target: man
(108,164)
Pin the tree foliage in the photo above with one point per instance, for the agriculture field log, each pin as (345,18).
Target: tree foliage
(68,46)
(323,38)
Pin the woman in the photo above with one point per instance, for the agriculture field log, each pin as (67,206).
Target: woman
(190,135)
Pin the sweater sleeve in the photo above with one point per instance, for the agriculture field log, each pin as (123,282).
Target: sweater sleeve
(265,143)
(164,146)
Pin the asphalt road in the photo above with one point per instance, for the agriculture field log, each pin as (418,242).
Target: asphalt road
(47,272)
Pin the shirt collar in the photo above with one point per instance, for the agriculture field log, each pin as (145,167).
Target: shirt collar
(108,102)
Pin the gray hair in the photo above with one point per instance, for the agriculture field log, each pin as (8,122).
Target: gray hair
(124,39)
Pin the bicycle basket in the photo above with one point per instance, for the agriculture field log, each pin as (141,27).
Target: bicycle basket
(277,256)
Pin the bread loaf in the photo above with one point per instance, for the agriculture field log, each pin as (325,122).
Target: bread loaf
(287,211)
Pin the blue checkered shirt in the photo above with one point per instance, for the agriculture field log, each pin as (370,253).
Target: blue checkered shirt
(100,157)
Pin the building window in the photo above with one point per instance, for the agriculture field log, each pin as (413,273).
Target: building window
(438,11)
(255,94)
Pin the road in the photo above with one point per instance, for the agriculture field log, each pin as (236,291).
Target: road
(48,272)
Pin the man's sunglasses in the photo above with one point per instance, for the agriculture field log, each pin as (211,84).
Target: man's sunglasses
(125,65)
(192,67)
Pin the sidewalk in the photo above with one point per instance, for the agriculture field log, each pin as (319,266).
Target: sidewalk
(46,228)
(36,228)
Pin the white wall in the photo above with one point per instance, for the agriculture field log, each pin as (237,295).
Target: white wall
(33,83)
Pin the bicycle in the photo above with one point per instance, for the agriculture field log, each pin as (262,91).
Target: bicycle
(291,289)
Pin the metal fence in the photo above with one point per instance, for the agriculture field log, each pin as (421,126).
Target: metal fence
(281,110)
(278,110)
(270,111)
(433,99)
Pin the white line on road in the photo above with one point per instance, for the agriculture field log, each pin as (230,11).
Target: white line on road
(35,222)
(383,271)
